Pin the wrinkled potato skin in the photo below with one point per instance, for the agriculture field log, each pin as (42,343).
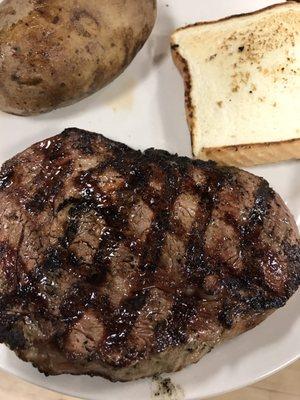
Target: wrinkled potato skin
(56,52)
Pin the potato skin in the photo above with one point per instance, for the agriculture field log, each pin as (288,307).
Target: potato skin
(56,52)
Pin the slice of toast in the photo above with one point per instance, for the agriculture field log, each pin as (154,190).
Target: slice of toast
(242,85)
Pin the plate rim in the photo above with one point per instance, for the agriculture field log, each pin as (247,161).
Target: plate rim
(246,383)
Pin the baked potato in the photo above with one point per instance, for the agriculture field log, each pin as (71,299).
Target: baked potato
(56,52)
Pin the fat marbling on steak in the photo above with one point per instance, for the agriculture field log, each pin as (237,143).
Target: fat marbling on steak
(124,264)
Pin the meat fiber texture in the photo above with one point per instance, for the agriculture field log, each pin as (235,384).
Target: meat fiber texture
(125,264)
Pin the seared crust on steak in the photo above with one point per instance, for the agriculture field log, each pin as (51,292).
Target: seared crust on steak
(125,264)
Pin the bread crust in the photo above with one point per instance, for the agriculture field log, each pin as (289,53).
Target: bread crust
(247,155)
(240,155)
(183,67)
(216,21)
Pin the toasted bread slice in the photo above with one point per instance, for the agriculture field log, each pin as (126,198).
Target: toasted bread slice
(242,85)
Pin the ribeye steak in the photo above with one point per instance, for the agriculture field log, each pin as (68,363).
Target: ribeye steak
(124,264)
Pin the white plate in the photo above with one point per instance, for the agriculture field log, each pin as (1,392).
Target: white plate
(144,108)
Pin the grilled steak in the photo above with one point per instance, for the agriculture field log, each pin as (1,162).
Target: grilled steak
(125,264)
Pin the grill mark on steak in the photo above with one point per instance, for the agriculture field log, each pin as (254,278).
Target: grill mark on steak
(8,268)
(160,225)
(94,199)
(116,218)
(251,246)
(50,178)
(259,212)
(82,296)
(172,331)
(132,198)
(251,250)
(125,317)
(292,252)
(197,265)
(49,183)
(109,240)
(149,259)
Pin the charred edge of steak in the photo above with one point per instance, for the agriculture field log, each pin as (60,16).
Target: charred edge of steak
(172,332)
(10,333)
(292,253)
(6,176)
